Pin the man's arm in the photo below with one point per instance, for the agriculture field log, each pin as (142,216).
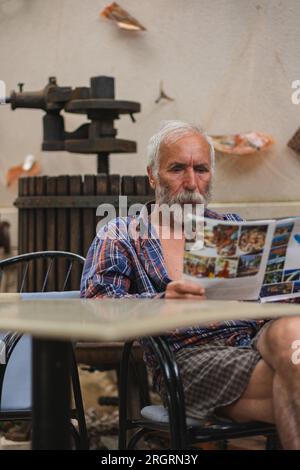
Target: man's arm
(108,272)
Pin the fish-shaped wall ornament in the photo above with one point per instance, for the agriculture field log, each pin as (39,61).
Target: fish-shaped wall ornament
(242,144)
(294,142)
(30,167)
(124,20)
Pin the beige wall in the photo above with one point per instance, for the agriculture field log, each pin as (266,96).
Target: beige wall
(229,65)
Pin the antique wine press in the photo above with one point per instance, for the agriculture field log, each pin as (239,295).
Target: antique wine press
(98,136)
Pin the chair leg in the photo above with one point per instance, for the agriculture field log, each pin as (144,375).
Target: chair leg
(76,437)
(84,442)
(123,396)
(175,397)
(138,381)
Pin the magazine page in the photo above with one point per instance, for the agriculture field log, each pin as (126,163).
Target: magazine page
(282,278)
(230,260)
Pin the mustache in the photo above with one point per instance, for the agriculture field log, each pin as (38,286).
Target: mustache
(188,197)
(163,196)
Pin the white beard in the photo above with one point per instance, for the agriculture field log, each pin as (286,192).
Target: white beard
(163,197)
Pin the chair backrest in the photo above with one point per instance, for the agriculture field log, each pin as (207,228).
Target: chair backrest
(16,384)
(17,369)
(55,270)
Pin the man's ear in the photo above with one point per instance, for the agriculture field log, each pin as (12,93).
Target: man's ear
(152,179)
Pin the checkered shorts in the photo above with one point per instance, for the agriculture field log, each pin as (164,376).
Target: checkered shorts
(214,375)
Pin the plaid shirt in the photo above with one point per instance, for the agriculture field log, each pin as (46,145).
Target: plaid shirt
(120,266)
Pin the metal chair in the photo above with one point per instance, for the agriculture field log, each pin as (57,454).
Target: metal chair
(184,432)
(15,374)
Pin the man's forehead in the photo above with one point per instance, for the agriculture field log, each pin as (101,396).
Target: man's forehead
(190,148)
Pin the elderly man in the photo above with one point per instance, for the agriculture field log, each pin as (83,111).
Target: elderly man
(238,369)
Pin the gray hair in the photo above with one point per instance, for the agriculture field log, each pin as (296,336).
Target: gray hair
(172,131)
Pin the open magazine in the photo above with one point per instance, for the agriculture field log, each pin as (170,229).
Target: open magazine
(246,260)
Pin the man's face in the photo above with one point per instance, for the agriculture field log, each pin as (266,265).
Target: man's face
(184,175)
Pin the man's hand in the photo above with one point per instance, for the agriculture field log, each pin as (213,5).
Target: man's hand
(184,290)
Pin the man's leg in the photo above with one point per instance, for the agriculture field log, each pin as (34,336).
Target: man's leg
(273,392)
(255,404)
(275,346)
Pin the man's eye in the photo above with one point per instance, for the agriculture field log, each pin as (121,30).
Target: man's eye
(176,169)
(201,169)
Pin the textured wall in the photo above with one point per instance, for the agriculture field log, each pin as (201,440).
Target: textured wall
(228,63)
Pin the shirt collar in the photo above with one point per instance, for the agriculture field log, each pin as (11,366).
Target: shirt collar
(144,222)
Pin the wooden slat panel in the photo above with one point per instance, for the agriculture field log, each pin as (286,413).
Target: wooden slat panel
(114,184)
(88,215)
(25,228)
(69,202)
(102,184)
(22,228)
(31,236)
(51,185)
(140,185)
(102,188)
(115,188)
(75,231)
(127,185)
(40,233)
(63,228)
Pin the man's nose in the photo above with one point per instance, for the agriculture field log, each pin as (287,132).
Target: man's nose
(190,180)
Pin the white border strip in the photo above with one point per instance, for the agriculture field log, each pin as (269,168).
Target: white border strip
(259,210)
